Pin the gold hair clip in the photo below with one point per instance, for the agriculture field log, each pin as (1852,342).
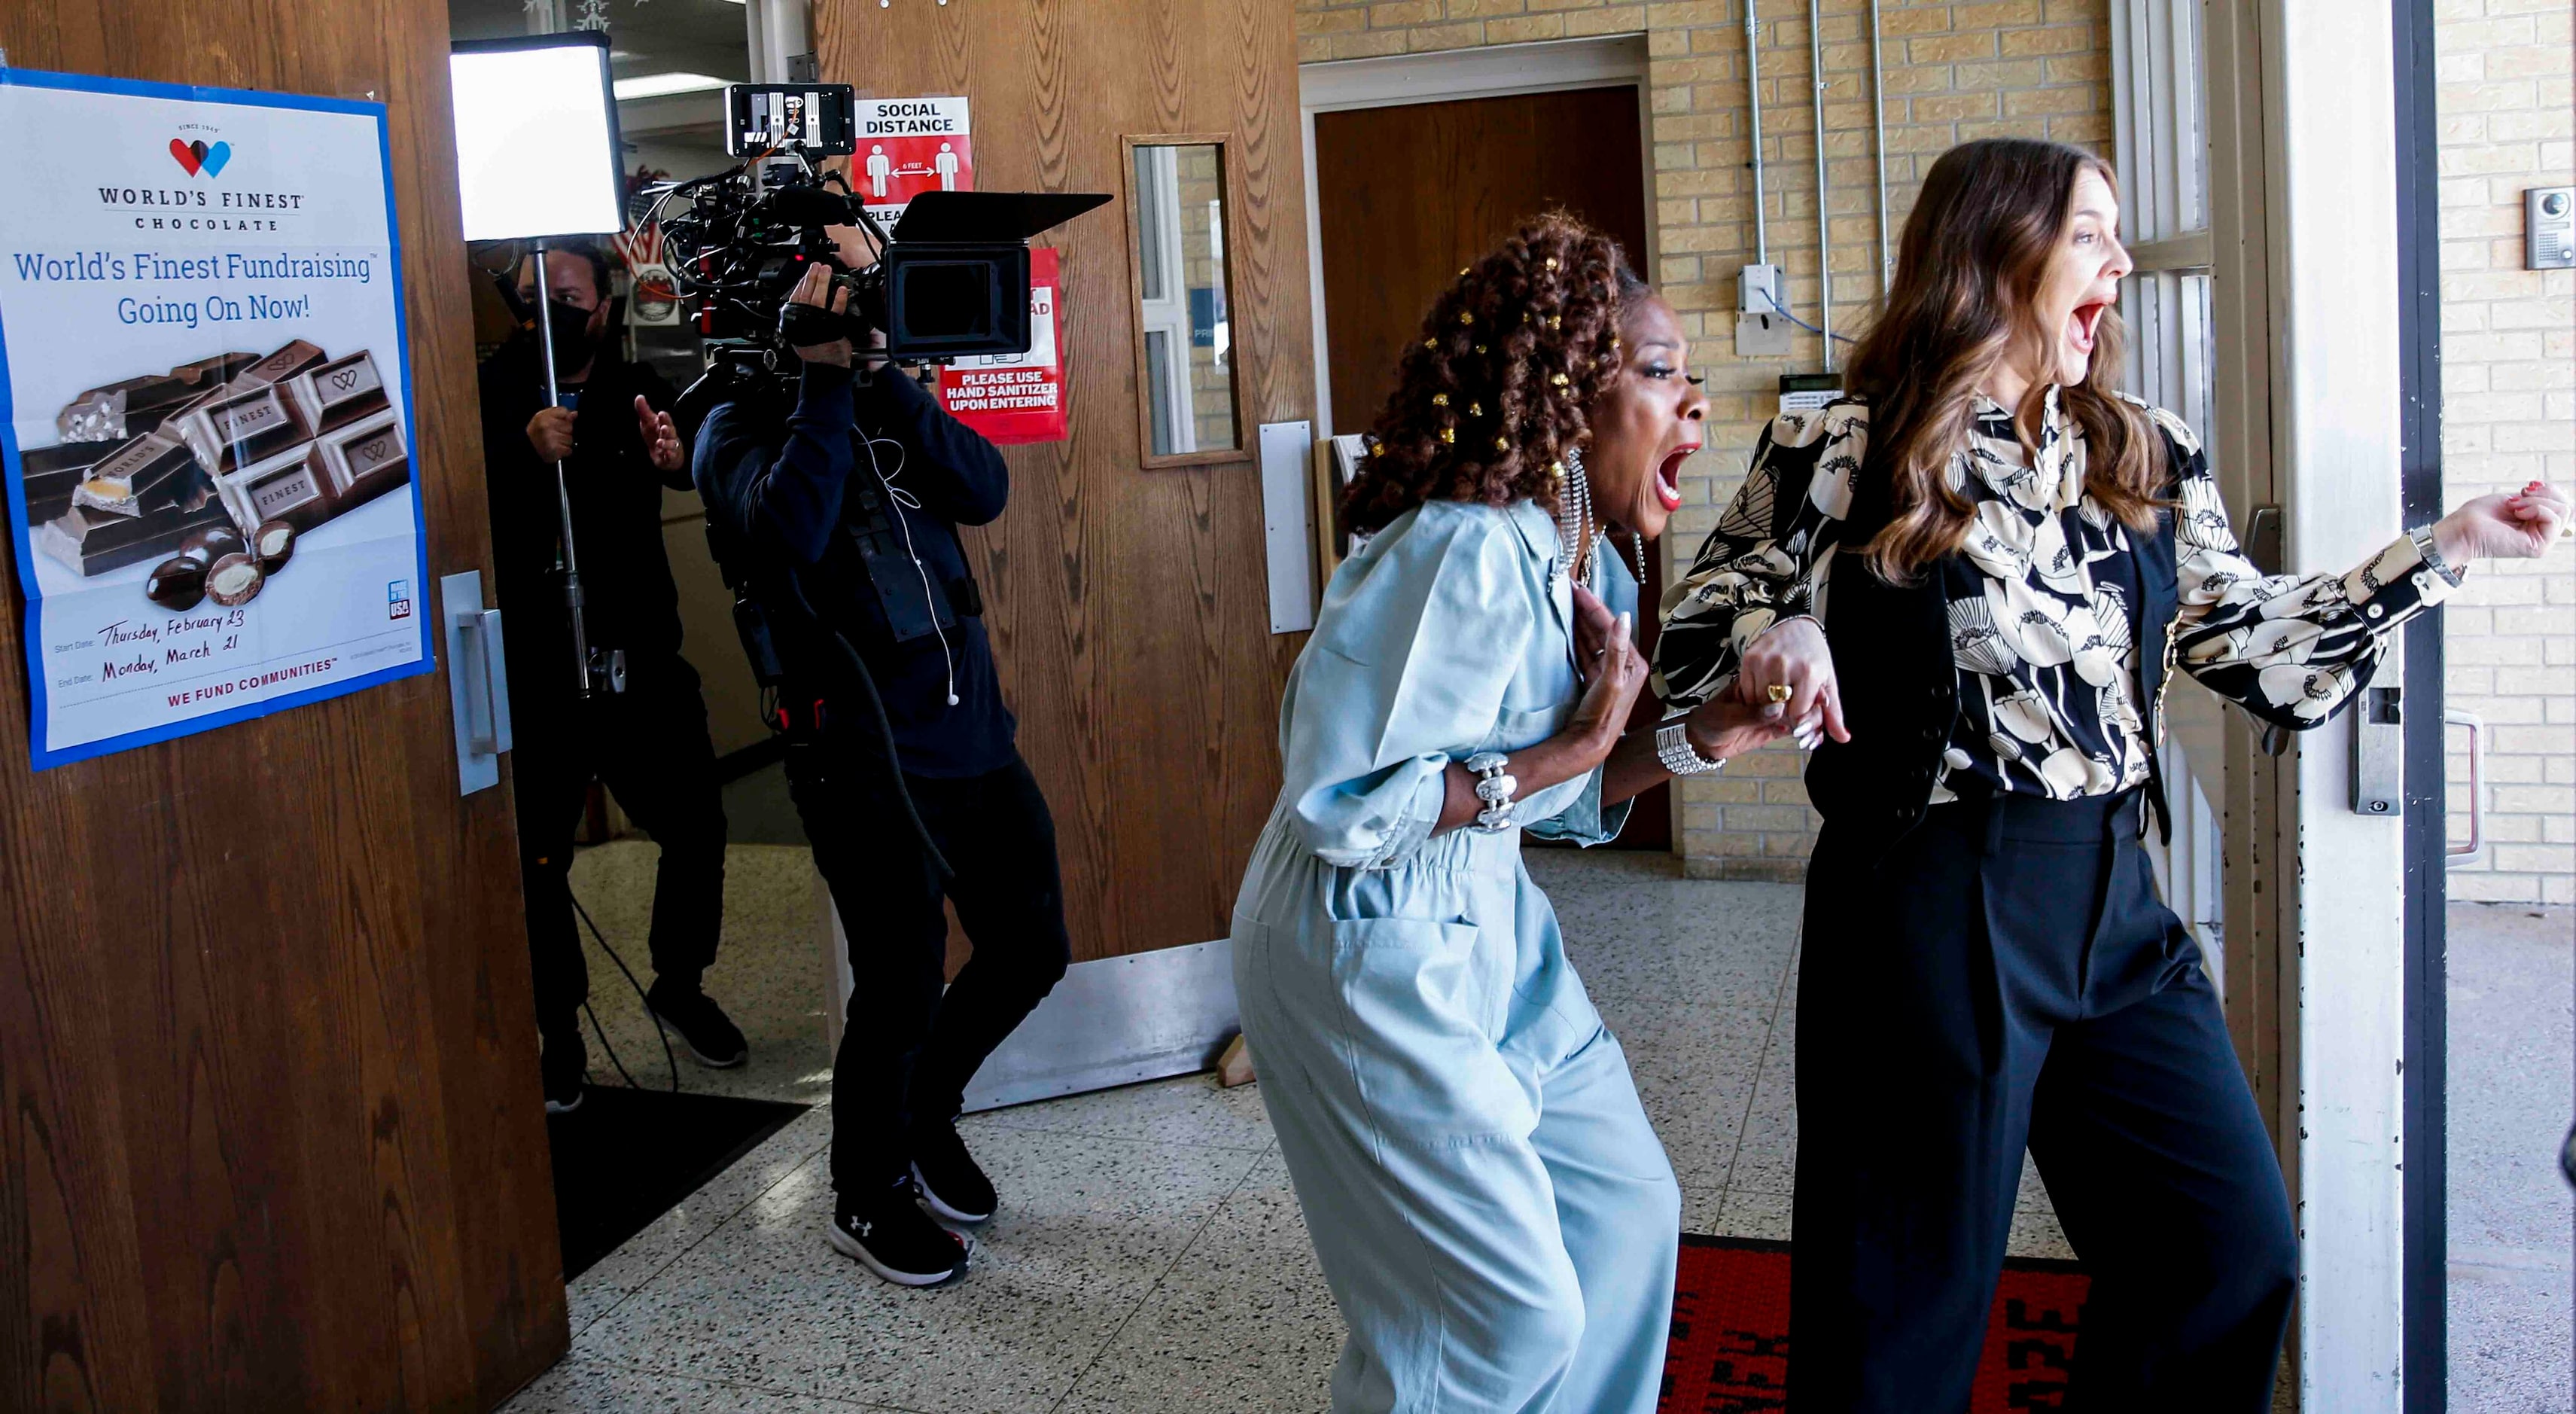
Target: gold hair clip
(1560,380)
(1502,444)
(1462,272)
(1556,471)
(1432,344)
(1480,348)
(1556,321)
(1475,409)
(1448,434)
(1466,318)
(1551,262)
(1440,400)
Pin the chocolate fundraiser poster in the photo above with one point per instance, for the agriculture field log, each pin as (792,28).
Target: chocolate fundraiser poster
(208,416)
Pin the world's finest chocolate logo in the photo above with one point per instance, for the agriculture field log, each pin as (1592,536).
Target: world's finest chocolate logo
(197,200)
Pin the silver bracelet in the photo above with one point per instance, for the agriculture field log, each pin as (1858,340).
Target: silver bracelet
(1495,787)
(1673,748)
(2422,535)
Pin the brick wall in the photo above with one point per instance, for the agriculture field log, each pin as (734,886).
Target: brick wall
(1954,71)
(2509,415)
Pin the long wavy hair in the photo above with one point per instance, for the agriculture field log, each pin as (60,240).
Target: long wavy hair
(1496,388)
(1967,282)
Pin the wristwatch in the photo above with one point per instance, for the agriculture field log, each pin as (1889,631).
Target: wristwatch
(1495,787)
(1673,748)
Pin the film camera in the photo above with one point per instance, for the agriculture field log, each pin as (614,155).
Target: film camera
(951,280)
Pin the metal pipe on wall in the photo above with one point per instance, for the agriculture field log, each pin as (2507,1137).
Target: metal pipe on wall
(1824,217)
(1753,107)
(1878,146)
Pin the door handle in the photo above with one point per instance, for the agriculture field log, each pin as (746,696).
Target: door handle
(478,681)
(487,731)
(2468,853)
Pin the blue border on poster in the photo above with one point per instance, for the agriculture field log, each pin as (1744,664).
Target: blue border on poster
(21,539)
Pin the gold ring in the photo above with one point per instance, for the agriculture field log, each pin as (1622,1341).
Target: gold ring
(1779,692)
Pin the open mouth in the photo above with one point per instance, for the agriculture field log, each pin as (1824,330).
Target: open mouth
(1668,477)
(2084,323)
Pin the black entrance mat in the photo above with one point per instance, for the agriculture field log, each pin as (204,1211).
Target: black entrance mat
(627,1157)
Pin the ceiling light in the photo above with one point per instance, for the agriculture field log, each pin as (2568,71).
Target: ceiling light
(663,85)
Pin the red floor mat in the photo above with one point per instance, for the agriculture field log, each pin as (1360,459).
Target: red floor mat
(1730,1350)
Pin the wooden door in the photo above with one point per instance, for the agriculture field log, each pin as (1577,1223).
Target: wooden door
(1411,192)
(267,1049)
(1129,608)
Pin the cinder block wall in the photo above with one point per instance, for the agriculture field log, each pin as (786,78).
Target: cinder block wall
(1953,71)
(2509,415)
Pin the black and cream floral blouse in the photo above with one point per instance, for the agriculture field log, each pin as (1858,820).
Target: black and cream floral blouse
(2042,600)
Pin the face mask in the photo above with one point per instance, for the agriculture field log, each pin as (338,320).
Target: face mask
(572,335)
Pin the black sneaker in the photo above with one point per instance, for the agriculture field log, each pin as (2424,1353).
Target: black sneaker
(895,1239)
(947,1178)
(706,1033)
(563,1064)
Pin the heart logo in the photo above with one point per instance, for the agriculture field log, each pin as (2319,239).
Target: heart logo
(196,157)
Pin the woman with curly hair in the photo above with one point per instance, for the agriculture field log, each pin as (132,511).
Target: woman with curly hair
(1495,1216)
(1982,569)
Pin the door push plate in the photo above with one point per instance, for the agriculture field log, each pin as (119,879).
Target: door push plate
(2379,754)
(478,681)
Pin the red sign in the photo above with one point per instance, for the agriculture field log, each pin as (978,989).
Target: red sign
(908,146)
(1015,398)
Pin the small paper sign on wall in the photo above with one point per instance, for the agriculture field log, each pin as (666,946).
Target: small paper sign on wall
(908,146)
(1014,398)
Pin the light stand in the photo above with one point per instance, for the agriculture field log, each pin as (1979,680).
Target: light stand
(586,674)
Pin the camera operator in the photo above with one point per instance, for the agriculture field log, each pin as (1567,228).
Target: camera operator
(848,492)
(647,743)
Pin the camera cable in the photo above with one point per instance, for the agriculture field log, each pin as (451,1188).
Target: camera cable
(906,500)
(667,1058)
(885,727)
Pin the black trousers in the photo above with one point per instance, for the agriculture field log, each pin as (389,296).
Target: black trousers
(908,1048)
(2007,976)
(649,746)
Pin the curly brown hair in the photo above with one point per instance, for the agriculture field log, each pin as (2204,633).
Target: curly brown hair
(1497,387)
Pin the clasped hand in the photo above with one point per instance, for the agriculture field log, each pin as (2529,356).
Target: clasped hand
(1614,672)
(550,432)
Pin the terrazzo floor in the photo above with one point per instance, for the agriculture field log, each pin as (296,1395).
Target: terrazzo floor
(1149,1255)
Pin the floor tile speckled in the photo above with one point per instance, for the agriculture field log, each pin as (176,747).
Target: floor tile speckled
(1187,1109)
(579,1386)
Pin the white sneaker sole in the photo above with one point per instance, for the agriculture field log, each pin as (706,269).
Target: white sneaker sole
(940,1210)
(850,1247)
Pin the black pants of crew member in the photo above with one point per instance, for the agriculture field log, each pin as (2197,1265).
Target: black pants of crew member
(649,746)
(908,1050)
(2005,976)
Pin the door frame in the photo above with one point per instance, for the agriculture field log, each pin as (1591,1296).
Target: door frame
(1488,71)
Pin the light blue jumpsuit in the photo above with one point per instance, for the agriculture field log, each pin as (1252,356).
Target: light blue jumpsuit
(1496,1218)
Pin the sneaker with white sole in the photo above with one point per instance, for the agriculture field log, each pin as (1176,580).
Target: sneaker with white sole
(891,1236)
(706,1033)
(950,1182)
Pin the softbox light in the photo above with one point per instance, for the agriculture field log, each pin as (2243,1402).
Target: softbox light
(536,137)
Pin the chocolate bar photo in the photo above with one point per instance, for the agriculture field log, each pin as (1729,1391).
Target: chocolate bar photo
(91,542)
(248,423)
(136,477)
(340,392)
(279,366)
(51,474)
(133,406)
(290,486)
(366,459)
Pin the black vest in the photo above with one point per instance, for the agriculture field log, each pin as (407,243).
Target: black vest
(1900,684)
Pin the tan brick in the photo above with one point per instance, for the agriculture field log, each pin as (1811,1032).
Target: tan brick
(2057,39)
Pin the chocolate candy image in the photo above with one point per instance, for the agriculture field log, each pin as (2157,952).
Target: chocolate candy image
(273,544)
(366,459)
(176,584)
(290,486)
(216,371)
(93,542)
(211,544)
(130,480)
(234,580)
(243,426)
(51,474)
(339,392)
(279,366)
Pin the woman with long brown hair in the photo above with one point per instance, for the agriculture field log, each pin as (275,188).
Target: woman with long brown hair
(1975,574)
(1494,1215)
